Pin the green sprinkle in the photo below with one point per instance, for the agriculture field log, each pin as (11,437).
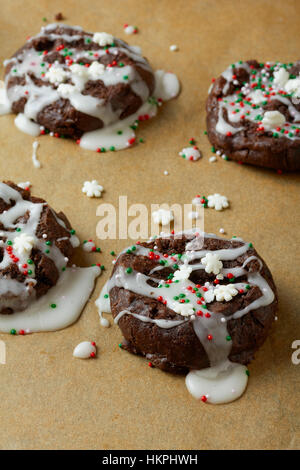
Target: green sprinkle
(18,229)
(120,345)
(247,372)
(181,296)
(47,251)
(13,331)
(29,261)
(176,297)
(44,19)
(112,148)
(48,243)
(228,338)
(63,268)
(29,271)
(102,267)
(120,132)
(141,140)
(53,305)
(9,242)
(250,245)
(247,287)
(72,232)
(98,250)
(129,270)
(121,64)
(125,77)
(112,253)
(175,266)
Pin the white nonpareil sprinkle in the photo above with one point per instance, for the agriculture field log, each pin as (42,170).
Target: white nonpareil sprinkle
(225,292)
(85,350)
(222,230)
(217,201)
(174,48)
(103,39)
(92,188)
(212,263)
(163,216)
(166,173)
(212,159)
(23,244)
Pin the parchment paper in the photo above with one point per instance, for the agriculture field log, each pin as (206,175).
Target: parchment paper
(48,399)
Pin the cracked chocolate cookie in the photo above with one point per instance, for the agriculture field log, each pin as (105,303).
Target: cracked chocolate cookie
(191,301)
(36,244)
(93,88)
(253,114)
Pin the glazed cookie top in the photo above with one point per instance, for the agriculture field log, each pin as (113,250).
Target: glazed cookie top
(36,244)
(197,278)
(96,74)
(261,99)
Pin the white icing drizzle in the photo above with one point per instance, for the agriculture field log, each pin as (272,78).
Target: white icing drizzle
(70,295)
(35,161)
(262,89)
(210,328)
(116,134)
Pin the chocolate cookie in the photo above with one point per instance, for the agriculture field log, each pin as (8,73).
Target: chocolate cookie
(191,301)
(36,244)
(253,114)
(71,82)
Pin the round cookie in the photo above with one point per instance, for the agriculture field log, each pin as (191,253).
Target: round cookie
(36,244)
(253,114)
(191,301)
(71,82)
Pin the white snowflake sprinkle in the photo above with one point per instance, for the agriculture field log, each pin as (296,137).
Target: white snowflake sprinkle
(184,309)
(162,216)
(225,292)
(182,273)
(23,244)
(272,119)
(103,39)
(92,188)
(217,201)
(212,263)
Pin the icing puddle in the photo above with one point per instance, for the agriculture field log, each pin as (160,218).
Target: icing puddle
(220,384)
(70,295)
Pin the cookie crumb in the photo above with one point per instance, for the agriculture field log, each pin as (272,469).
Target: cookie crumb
(59,16)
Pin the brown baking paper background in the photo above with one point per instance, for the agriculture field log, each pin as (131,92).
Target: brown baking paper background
(48,399)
